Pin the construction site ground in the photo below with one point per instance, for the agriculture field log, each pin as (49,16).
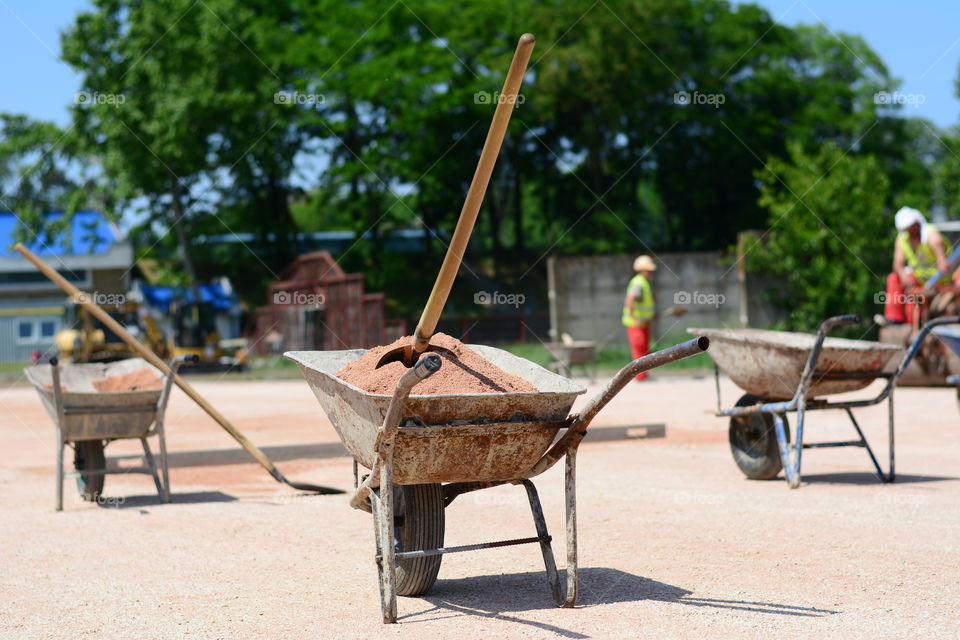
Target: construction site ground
(674,541)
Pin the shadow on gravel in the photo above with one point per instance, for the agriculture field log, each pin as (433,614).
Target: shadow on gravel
(135,502)
(498,596)
(218,457)
(865,477)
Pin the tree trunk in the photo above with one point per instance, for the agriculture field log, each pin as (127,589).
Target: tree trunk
(180,228)
(519,242)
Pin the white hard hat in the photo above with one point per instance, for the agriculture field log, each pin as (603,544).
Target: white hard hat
(908,216)
(644,263)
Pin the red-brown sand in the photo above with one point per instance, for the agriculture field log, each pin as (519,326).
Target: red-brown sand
(139,380)
(463,371)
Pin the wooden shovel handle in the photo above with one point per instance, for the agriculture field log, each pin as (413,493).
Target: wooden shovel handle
(81,298)
(478,187)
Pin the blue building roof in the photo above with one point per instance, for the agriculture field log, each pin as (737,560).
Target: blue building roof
(90,234)
(162,297)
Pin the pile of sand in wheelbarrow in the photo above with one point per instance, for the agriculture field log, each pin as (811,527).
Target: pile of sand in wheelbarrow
(465,371)
(139,380)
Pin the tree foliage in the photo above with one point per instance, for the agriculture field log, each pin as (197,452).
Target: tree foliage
(642,127)
(829,246)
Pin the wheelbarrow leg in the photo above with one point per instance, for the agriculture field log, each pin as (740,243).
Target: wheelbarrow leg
(884,477)
(546,549)
(791,463)
(164,467)
(382,502)
(61,419)
(160,426)
(153,467)
(570,482)
(60,445)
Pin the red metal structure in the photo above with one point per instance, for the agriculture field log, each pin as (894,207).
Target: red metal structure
(317,306)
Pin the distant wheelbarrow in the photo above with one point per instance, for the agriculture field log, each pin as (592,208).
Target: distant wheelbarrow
(785,372)
(424,451)
(87,419)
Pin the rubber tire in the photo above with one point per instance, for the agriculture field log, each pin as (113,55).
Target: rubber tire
(753,442)
(88,454)
(418,524)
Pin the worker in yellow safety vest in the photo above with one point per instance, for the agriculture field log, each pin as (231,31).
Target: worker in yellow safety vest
(639,309)
(919,253)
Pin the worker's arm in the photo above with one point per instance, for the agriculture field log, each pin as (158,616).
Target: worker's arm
(899,267)
(939,250)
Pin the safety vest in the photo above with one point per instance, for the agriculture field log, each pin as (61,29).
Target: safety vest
(921,261)
(642,310)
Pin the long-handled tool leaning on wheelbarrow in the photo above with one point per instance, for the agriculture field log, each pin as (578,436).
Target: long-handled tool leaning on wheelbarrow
(84,299)
(767,365)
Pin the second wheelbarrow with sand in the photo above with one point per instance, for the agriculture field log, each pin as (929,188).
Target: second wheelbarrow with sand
(425,450)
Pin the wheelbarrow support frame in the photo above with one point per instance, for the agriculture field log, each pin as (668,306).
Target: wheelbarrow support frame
(801,404)
(376,492)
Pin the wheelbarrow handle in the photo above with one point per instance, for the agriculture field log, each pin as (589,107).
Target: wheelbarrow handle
(579,422)
(825,327)
(918,342)
(641,364)
(428,365)
(839,321)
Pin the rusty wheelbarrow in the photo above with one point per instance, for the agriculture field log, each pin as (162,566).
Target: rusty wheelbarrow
(87,419)
(424,451)
(785,372)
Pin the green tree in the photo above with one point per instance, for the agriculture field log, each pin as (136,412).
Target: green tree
(180,102)
(41,172)
(827,249)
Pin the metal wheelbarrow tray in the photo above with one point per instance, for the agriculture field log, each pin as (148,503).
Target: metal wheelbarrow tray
(424,451)
(87,419)
(785,372)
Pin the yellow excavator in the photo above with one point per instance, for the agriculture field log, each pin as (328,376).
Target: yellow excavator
(89,341)
(194,333)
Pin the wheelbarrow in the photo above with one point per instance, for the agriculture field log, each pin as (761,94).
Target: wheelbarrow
(424,451)
(577,352)
(87,420)
(785,372)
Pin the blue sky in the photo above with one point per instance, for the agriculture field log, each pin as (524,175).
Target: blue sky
(919,41)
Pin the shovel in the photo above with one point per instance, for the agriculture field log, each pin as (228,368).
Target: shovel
(468,215)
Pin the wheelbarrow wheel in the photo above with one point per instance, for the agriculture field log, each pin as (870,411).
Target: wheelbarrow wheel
(88,454)
(753,442)
(418,524)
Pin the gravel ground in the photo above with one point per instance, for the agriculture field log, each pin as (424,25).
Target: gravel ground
(674,542)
